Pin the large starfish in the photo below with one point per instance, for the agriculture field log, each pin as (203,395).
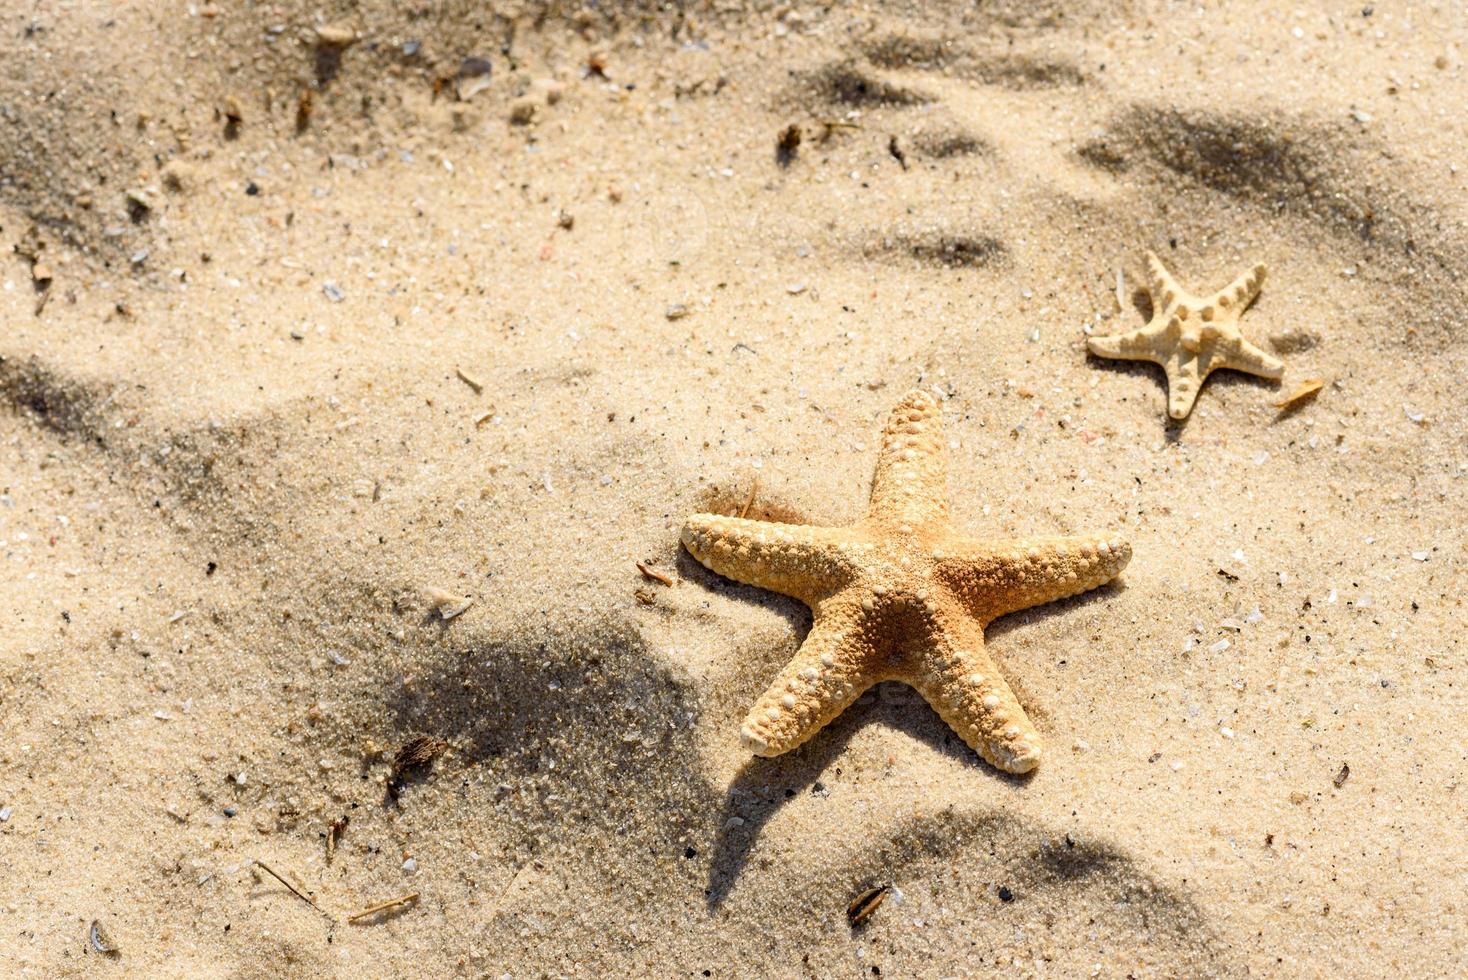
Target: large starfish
(1192,337)
(901,596)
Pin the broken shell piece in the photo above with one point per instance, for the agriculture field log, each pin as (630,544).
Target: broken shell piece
(448,605)
(863,905)
(1303,390)
(335,35)
(474,77)
(99,939)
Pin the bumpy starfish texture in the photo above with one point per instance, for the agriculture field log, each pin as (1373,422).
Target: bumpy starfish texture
(901,596)
(1192,337)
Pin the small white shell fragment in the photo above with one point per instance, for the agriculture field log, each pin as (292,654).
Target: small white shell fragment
(447,604)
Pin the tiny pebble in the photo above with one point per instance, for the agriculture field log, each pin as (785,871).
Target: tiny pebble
(1219,647)
(5,814)
(410,865)
(1420,555)
(230,811)
(333,292)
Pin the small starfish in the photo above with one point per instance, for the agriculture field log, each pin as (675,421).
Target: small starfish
(1192,337)
(901,596)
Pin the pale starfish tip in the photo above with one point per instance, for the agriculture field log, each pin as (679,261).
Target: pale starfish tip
(753,743)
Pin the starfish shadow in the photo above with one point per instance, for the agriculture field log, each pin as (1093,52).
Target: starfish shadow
(762,786)
(1014,620)
(793,611)
(1172,429)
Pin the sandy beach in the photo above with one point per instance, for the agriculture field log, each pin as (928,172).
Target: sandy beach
(362,363)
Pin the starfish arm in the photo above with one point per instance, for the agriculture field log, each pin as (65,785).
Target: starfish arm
(1184,381)
(1241,292)
(792,559)
(962,684)
(1134,345)
(910,485)
(993,579)
(828,672)
(1162,287)
(1244,356)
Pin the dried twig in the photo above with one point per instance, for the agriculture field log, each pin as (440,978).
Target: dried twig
(829,126)
(753,489)
(391,903)
(470,380)
(294,890)
(656,575)
(333,833)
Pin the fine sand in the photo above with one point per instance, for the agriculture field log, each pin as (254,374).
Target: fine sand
(305,333)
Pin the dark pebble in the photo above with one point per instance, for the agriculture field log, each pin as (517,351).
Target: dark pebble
(230,811)
(1005,895)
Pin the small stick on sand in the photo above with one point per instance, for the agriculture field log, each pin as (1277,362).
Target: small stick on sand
(656,575)
(753,489)
(482,418)
(294,890)
(470,380)
(391,903)
(333,832)
(829,126)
